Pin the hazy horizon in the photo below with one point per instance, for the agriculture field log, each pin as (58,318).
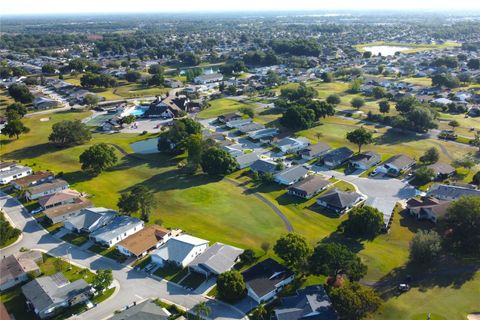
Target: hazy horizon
(56,7)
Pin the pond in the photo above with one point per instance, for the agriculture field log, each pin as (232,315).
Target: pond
(206,70)
(147,146)
(385,50)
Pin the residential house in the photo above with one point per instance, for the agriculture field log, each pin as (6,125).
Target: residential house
(229,117)
(398,164)
(7,165)
(450,192)
(442,170)
(264,166)
(246,160)
(235,124)
(146,310)
(116,230)
(14,173)
(179,250)
(337,157)
(47,188)
(265,279)
(309,303)
(216,260)
(340,201)
(50,295)
(149,238)
(309,187)
(315,151)
(263,134)
(428,208)
(235,152)
(159,110)
(15,269)
(90,219)
(208,78)
(43,103)
(291,175)
(365,160)
(63,212)
(60,198)
(31,180)
(250,127)
(288,144)
(4,315)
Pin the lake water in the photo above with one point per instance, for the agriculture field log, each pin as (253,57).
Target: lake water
(147,146)
(206,70)
(384,50)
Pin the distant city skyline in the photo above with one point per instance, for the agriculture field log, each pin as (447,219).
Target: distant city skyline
(22,7)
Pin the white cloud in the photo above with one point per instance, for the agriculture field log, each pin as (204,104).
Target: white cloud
(125,6)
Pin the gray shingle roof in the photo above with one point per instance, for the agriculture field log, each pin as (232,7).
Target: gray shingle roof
(339,199)
(218,258)
(115,228)
(146,310)
(292,174)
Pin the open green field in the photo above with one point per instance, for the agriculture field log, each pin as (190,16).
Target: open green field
(222,106)
(413,47)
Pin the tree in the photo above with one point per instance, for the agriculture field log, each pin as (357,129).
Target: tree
(453,124)
(18,108)
(354,302)
(405,104)
(364,222)
(327,77)
(293,249)
(216,161)
(133,76)
(145,199)
(466,162)
(248,257)
(195,147)
(231,286)
(259,313)
(476,178)
(102,279)
(464,77)
(155,69)
(355,86)
(322,109)
(127,204)
(360,137)
(384,106)
(48,68)
(189,59)
(461,224)
(424,175)
(14,128)
(128,119)
(425,246)
(378,92)
(156,80)
(69,133)
(298,117)
(20,93)
(247,111)
(473,64)
(202,310)
(91,100)
(431,155)
(335,259)
(7,232)
(98,158)
(334,99)
(420,119)
(446,80)
(367,54)
(357,102)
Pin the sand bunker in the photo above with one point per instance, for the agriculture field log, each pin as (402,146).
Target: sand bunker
(44,119)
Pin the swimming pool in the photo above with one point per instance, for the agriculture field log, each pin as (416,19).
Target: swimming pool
(138,111)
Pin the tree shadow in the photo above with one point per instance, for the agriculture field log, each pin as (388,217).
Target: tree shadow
(338,236)
(323,211)
(271,111)
(413,224)
(31,151)
(286,199)
(395,136)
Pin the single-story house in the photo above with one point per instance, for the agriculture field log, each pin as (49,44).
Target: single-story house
(63,212)
(59,198)
(90,219)
(428,208)
(47,188)
(149,238)
(229,117)
(291,175)
(315,151)
(43,103)
(14,269)
(7,165)
(14,173)
(292,144)
(337,157)
(246,160)
(160,110)
(263,133)
(146,310)
(265,279)
(116,230)
(208,78)
(238,123)
(340,201)
(309,187)
(49,295)
(365,160)
(234,152)
(264,166)
(216,260)
(251,127)
(450,192)
(442,170)
(31,180)
(180,250)
(311,302)
(398,164)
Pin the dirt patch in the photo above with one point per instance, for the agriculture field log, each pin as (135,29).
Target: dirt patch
(44,119)
(474,316)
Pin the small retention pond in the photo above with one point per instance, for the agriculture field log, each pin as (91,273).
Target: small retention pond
(385,50)
(147,146)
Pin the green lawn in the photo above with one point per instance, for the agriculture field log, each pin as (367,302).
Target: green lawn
(111,253)
(133,90)
(171,272)
(52,265)
(193,280)
(76,239)
(222,106)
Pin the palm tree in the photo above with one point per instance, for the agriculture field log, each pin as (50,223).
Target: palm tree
(318,135)
(259,313)
(202,310)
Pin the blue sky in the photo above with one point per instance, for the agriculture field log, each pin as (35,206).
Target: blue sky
(8,7)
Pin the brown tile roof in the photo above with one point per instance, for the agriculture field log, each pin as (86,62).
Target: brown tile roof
(79,203)
(3,312)
(58,197)
(53,184)
(144,239)
(37,176)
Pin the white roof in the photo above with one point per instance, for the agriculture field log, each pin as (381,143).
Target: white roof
(178,248)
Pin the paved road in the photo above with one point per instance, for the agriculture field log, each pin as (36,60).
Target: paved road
(134,285)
